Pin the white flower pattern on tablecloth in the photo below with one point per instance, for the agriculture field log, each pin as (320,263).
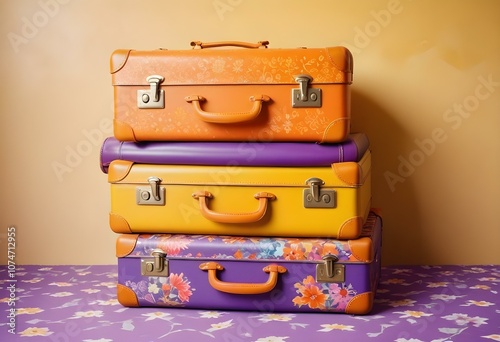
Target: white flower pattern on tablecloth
(221,325)
(330,327)
(464,319)
(413,304)
(273,339)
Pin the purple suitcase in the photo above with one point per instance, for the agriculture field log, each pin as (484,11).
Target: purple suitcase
(250,273)
(234,153)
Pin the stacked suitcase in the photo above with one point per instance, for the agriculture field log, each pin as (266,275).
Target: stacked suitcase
(236,182)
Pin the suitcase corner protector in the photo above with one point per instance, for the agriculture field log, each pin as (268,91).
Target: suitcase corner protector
(342,58)
(348,172)
(118,60)
(118,169)
(119,224)
(334,134)
(351,228)
(360,304)
(126,296)
(123,131)
(125,244)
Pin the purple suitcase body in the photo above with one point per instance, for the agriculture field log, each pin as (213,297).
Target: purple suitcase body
(234,153)
(322,275)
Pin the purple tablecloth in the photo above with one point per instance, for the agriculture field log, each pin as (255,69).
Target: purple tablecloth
(413,303)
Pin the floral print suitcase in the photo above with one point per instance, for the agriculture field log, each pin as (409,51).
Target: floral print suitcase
(250,273)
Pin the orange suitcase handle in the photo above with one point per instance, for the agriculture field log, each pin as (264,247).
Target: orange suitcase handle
(242,288)
(198,44)
(214,216)
(228,117)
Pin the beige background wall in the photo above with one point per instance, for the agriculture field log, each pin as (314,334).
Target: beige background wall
(426,91)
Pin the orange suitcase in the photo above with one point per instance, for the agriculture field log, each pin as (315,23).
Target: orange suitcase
(243,93)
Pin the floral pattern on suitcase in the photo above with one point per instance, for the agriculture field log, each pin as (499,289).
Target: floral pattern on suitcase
(323,296)
(176,289)
(268,69)
(173,290)
(209,246)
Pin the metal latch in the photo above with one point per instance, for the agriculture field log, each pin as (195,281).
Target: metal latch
(154,194)
(154,97)
(315,197)
(329,271)
(304,96)
(157,265)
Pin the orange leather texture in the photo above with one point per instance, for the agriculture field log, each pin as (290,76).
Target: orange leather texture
(233,117)
(120,170)
(119,224)
(125,244)
(262,197)
(123,131)
(351,227)
(226,79)
(362,249)
(242,288)
(360,304)
(126,296)
(232,66)
(353,173)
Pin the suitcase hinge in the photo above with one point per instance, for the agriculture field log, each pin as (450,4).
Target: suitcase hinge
(154,97)
(304,96)
(329,271)
(315,197)
(157,265)
(154,194)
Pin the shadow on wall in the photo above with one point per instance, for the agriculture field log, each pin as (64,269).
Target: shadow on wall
(402,234)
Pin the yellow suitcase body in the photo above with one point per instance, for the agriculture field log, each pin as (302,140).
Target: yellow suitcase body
(241,200)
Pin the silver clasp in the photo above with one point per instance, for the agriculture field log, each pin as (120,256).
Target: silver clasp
(154,97)
(154,182)
(303,81)
(155,266)
(304,96)
(152,195)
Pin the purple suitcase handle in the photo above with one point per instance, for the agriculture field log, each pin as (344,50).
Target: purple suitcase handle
(245,153)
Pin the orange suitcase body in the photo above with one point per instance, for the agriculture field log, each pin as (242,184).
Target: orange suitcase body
(246,92)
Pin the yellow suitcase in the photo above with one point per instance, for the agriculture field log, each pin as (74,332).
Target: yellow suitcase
(329,201)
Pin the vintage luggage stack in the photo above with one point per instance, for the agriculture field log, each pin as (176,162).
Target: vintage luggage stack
(236,183)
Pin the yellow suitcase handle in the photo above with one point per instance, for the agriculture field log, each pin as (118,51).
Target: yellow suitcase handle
(214,216)
(242,288)
(198,44)
(227,117)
